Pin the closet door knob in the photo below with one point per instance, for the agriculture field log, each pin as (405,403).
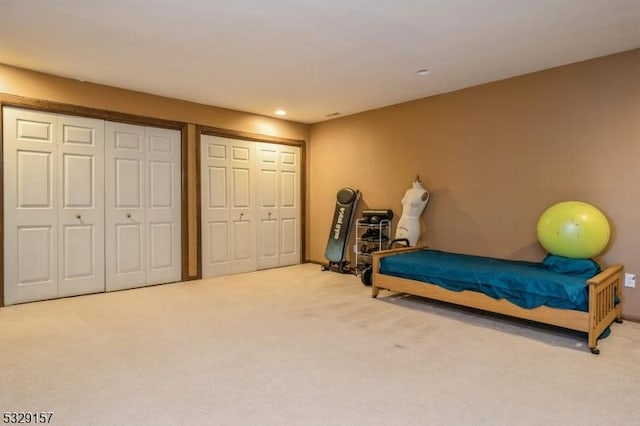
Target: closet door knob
(269,215)
(128,215)
(78,216)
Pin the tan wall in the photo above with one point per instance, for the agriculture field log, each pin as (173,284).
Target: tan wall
(494,157)
(29,84)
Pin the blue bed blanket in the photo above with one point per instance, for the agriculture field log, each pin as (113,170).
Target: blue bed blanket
(526,284)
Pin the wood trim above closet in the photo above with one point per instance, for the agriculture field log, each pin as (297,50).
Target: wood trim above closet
(236,134)
(82,111)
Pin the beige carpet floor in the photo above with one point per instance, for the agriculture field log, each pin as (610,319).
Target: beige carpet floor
(297,346)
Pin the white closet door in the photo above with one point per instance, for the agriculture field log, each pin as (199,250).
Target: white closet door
(250,205)
(228,206)
(268,176)
(30,206)
(88,204)
(163,205)
(215,211)
(278,205)
(125,238)
(242,216)
(81,206)
(289,211)
(143,217)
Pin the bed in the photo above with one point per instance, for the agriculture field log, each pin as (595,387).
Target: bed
(545,292)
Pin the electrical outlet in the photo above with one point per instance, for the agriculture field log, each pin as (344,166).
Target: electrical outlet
(630,280)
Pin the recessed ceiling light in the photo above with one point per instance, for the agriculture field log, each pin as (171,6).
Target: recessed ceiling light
(281,112)
(423,71)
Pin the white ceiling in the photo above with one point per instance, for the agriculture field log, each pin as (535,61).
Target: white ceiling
(310,57)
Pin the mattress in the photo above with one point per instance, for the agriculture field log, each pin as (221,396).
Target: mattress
(526,284)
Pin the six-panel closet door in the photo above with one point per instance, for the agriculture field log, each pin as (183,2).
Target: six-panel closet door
(278,238)
(89,205)
(81,212)
(250,205)
(142,206)
(227,206)
(53,205)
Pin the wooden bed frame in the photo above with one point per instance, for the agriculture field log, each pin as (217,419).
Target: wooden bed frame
(602,291)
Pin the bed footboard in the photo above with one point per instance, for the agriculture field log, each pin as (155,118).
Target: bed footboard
(605,302)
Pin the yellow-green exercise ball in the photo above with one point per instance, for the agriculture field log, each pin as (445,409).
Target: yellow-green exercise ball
(573,229)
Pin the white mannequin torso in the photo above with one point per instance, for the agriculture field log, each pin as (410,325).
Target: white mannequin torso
(413,204)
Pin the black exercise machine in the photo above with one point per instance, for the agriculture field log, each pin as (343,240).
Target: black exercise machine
(346,204)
